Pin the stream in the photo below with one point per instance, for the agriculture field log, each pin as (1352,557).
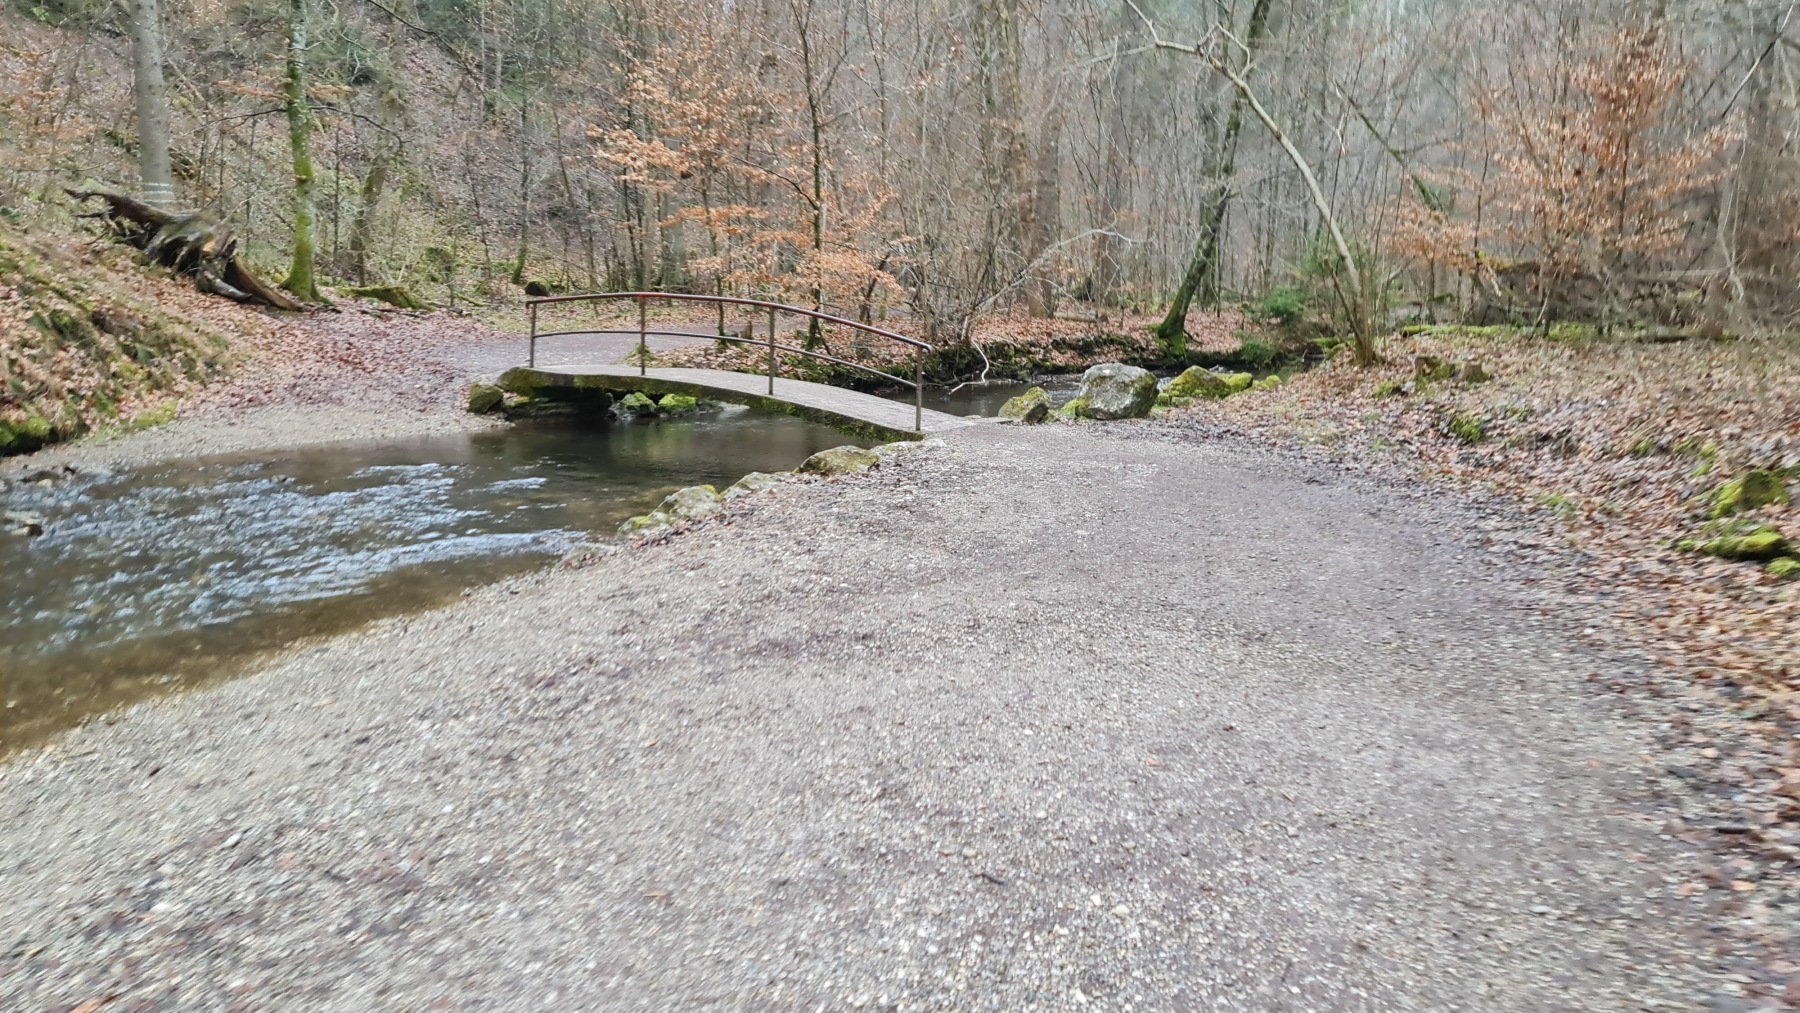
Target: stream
(174,574)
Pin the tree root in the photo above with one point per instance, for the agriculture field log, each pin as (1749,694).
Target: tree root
(195,244)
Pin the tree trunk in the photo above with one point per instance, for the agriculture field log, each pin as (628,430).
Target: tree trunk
(1202,271)
(391,115)
(524,252)
(154,171)
(300,280)
(1046,215)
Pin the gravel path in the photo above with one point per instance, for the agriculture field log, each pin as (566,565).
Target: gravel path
(1041,719)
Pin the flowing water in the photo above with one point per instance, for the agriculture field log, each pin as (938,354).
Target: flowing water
(169,575)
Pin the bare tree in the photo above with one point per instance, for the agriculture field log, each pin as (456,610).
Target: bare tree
(155,174)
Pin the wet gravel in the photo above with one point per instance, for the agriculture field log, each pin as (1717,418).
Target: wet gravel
(1041,719)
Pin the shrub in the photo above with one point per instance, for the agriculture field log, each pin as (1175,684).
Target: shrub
(1286,306)
(1468,428)
(1258,355)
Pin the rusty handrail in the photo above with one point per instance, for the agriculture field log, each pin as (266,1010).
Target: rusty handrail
(920,348)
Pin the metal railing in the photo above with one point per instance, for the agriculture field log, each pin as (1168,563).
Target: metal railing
(920,349)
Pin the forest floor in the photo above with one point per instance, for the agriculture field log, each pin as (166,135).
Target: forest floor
(1233,710)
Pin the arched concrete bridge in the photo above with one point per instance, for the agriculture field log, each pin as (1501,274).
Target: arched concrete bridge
(863,414)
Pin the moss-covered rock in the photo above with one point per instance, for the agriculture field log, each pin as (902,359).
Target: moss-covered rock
(1269,382)
(696,502)
(1739,538)
(655,520)
(753,483)
(678,404)
(1752,490)
(1074,408)
(1114,390)
(1784,568)
(637,405)
(1195,382)
(485,397)
(1031,407)
(840,461)
(1237,383)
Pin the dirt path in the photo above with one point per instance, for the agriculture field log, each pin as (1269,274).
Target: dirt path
(1043,719)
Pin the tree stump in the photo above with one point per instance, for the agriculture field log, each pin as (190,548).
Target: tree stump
(195,244)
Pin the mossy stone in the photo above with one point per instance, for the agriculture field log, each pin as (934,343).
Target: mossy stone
(485,397)
(1031,407)
(637,404)
(1114,390)
(1742,539)
(841,461)
(1237,383)
(749,485)
(1074,408)
(655,520)
(1784,568)
(678,404)
(1752,490)
(1195,382)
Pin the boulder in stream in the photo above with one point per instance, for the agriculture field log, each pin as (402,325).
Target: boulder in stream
(1113,390)
(20,522)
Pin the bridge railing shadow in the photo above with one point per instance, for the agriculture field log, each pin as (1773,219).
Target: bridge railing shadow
(919,349)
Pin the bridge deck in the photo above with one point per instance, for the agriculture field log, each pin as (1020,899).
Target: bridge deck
(865,414)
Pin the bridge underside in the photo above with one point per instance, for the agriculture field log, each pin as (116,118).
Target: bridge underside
(863,415)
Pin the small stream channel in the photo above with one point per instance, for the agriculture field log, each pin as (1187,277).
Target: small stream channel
(170,575)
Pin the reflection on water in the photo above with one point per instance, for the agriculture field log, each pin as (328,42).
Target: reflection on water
(173,573)
(985,399)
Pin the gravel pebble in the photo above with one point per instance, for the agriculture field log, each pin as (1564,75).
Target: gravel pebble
(882,742)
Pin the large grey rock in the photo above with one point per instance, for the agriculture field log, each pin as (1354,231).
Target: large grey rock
(840,461)
(1113,390)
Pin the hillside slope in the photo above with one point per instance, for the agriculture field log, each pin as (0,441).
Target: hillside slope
(89,338)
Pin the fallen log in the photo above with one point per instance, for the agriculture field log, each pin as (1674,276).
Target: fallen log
(194,244)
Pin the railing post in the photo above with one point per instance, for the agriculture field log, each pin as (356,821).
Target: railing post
(643,345)
(531,356)
(771,350)
(918,391)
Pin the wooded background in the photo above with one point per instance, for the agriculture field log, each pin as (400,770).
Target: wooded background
(944,159)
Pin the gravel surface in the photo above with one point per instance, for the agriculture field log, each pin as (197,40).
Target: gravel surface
(1040,719)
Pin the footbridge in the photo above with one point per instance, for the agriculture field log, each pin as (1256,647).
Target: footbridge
(864,414)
